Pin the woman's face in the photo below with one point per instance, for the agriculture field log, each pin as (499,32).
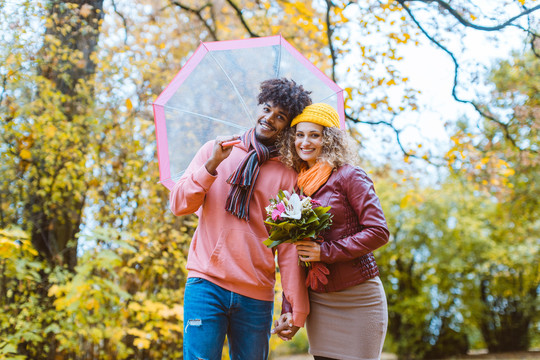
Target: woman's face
(308,141)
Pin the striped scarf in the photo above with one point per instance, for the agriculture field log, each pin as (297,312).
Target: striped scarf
(243,179)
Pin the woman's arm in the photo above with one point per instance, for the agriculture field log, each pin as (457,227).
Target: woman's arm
(360,193)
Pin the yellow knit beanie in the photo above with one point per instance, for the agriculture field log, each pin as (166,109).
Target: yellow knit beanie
(320,113)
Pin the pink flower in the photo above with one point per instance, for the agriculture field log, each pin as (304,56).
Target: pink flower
(276,214)
(315,202)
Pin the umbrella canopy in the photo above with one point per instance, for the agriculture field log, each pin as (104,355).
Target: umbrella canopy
(215,93)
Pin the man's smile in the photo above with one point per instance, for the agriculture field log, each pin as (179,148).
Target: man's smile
(266,126)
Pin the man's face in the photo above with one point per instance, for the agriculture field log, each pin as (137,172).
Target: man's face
(271,120)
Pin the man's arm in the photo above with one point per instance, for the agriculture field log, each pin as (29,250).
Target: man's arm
(188,193)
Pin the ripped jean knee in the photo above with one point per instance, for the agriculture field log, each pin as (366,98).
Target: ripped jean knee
(192,322)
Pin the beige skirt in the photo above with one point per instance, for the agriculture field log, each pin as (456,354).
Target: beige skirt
(348,324)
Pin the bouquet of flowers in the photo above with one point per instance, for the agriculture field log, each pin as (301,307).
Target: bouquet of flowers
(294,217)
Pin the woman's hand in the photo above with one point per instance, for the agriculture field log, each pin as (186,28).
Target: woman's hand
(308,250)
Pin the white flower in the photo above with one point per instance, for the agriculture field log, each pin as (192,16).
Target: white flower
(306,204)
(293,209)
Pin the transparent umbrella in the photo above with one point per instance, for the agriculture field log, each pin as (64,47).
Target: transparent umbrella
(215,93)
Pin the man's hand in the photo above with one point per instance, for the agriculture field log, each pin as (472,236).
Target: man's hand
(284,327)
(219,153)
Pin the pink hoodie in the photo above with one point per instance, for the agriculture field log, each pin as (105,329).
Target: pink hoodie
(229,251)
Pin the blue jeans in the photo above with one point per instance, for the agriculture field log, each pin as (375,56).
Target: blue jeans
(211,312)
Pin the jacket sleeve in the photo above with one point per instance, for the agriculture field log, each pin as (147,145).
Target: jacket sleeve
(286,306)
(360,193)
(187,195)
(293,283)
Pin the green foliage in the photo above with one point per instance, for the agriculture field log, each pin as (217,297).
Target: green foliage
(92,265)
(77,155)
(447,271)
(425,265)
(298,345)
(108,307)
(503,160)
(21,277)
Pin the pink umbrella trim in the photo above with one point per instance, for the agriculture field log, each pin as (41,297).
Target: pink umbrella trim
(203,49)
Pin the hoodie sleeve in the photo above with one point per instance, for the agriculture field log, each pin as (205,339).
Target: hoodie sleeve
(293,283)
(187,195)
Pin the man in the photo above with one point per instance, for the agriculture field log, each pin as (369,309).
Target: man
(230,286)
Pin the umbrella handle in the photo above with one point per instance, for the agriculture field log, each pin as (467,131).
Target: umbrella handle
(230,143)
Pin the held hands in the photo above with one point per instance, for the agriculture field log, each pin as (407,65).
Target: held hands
(219,153)
(284,327)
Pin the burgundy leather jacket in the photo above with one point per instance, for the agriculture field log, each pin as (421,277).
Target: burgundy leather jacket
(358,228)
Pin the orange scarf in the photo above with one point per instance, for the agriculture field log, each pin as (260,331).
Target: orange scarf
(311,179)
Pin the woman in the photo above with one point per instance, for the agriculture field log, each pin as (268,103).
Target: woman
(348,316)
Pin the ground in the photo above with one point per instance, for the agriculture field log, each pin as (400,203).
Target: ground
(480,355)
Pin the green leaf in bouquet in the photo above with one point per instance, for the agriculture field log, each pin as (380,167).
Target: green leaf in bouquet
(320,210)
(278,234)
(312,217)
(326,218)
(269,243)
(282,225)
(288,227)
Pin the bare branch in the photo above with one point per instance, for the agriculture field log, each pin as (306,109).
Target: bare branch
(198,13)
(535,40)
(483,113)
(242,20)
(397,133)
(329,32)
(467,23)
(4,88)
(124,21)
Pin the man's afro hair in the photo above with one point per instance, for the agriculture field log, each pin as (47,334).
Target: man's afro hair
(285,93)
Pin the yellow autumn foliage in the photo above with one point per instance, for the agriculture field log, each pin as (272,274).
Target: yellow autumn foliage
(93,263)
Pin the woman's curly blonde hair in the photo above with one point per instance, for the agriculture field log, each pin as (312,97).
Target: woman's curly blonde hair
(338,148)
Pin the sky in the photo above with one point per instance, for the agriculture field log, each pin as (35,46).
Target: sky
(430,70)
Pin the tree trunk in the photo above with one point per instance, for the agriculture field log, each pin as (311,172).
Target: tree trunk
(505,321)
(70,40)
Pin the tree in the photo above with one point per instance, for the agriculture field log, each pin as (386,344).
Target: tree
(48,130)
(427,263)
(62,177)
(503,159)
(78,163)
